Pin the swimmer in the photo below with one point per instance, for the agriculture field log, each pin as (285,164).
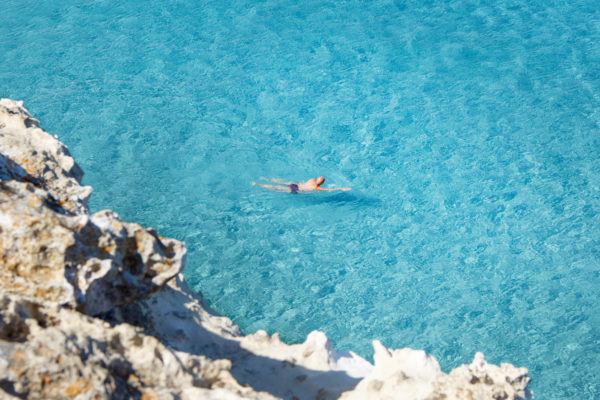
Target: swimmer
(290,187)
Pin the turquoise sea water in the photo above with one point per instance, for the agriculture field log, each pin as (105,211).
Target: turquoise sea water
(468,130)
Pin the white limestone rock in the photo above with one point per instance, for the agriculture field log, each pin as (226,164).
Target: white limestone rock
(408,374)
(51,248)
(480,380)
(89,263)
(49,352)
(398,374)
(30,154)
(309,370)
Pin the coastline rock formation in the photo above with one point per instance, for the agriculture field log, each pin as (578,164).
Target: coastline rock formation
(95,308)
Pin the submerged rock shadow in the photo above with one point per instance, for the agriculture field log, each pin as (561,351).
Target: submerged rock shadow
(183,321)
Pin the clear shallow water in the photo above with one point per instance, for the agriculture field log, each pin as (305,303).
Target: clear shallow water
(468,131)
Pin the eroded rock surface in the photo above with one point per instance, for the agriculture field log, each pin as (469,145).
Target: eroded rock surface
(51,248)
(96,308)
(57,353)
(413,374)
(30,154)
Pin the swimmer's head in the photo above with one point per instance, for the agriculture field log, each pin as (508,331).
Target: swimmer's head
(320,181)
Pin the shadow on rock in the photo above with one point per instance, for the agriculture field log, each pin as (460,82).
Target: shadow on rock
(180,319)
(10,170)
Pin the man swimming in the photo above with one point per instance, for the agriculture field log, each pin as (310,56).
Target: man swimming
(290,187)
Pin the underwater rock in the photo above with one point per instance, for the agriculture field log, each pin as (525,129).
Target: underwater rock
(95,308)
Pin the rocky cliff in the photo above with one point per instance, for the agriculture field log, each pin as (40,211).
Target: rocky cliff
(95,308)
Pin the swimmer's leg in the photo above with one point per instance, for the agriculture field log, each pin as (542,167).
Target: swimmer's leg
(276,180)
(273,187)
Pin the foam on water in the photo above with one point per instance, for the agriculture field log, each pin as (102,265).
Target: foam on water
(468,130)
